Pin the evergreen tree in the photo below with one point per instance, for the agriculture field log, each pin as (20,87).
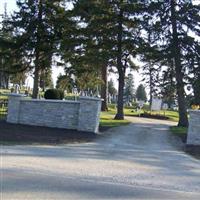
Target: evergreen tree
(4,77)
(36,27)
(151,78)
(192,66)
(46,80)
(106,33)
(141,93)
(151,59)
(65,82)
(7,56)
(171,23)
(168,87)
(111,88)
(129,90)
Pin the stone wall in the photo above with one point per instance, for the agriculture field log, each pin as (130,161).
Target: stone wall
(193,137)
(81,115)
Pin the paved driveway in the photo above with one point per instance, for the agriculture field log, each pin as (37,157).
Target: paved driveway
(139,161)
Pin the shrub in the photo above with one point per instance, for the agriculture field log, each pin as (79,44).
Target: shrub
(62,94)
(54,94)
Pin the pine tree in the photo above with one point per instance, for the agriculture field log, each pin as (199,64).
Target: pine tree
(46,80)
(6,43)
(35,26)
(129,90)
(192,64)
(151,58)
(141,93)
(168,86)
(171,23)
(106,34)
(111,88)
(65,82)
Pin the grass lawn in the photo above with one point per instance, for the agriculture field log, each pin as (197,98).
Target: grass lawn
(180,132)
(106,120)
(3,108)
(4,91)
(2,97)
(171,115)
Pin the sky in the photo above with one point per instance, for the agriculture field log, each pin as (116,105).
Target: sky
(11,6)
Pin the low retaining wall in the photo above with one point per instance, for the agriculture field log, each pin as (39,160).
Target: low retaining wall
(193,137)
(82,115)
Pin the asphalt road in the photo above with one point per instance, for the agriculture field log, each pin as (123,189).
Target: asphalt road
(139,161)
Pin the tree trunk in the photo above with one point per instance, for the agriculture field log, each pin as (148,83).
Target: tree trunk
(196,90)
(196,84)
(183,119)
(7,81)
(1,80)
(104,88)
(151,84)
(37,53)
(120,102)
(36,77)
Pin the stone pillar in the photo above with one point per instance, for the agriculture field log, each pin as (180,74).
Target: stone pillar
(14,108)
(89,114)
(193,137)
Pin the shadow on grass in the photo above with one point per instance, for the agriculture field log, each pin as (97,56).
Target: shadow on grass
(12,134)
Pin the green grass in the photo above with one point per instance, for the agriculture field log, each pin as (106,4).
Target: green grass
(4,91)
(179,131)
(3,110)
(106,119)
(3,97)
(132,112)
(172,115)
(3,113)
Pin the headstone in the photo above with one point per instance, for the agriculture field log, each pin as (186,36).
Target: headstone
(165,106)
(141,104)
(17,88)
(109,98)
(82,93)
(156,104)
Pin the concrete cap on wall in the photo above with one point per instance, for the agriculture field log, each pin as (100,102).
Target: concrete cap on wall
(90,98)
(16,95)
(193,111)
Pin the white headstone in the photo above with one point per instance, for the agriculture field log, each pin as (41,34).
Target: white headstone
(156,104)
(165,106)
(140,104)
(17,88)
